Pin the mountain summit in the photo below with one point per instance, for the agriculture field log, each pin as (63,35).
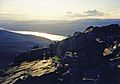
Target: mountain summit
(89,57)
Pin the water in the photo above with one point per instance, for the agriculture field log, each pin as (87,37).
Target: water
(45,35)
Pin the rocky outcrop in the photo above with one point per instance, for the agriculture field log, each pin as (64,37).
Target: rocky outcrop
(93,53)
(90,57)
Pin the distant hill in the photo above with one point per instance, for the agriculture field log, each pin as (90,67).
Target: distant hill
(62,27)
(12,44)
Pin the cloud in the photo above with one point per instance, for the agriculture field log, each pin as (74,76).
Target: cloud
(94,13)
(13,16)
(69,12)
(89,13)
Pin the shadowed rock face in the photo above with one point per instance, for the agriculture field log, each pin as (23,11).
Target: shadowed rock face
(91,57)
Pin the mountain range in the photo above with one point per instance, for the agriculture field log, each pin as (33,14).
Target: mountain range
(60,27)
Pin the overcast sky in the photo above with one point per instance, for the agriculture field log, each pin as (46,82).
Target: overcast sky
(59,9)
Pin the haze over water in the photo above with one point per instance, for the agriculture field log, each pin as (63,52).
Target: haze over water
(45,35)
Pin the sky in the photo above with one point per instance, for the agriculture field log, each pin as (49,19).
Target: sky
(59,9)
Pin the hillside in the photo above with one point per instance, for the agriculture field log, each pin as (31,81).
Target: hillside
(89,57)
(13,43)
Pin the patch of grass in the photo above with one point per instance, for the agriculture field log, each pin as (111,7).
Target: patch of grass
(56,58)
